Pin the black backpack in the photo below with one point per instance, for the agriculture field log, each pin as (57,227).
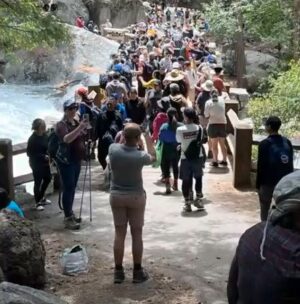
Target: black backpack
(193,150)
(53,143)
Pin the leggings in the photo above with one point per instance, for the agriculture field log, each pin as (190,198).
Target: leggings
(168,162)
(42,177)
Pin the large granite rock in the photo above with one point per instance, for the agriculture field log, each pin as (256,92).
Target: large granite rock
(258,65)
(22,253)
(86,55)
(16,294)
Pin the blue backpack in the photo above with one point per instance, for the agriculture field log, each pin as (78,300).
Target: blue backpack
(280,154)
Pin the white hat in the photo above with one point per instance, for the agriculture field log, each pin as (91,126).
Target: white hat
(207,86)
(176,65)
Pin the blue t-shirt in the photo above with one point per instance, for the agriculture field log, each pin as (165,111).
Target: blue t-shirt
(13,206)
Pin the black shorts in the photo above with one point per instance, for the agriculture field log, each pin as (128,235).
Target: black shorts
(216,131)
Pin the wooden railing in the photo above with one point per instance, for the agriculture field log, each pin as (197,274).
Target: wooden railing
(239,141)
(7,179)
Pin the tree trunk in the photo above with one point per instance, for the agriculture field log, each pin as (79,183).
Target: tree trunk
(296,33)
(240,55)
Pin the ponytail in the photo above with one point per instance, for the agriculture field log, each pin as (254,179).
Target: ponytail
(172,120)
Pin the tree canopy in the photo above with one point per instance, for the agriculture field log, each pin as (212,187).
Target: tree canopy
(24,25)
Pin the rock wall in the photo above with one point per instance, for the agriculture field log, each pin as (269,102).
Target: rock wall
(87,54)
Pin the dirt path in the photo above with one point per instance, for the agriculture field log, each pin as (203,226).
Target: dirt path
(188,257)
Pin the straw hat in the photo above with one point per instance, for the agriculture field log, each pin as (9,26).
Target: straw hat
(174,75)
(207,86)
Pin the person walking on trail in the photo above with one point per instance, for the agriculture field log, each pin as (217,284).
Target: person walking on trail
(170,154)
(266,266)
(128,198)
(275,160)
(215,113)
(190,137)
(70,153)
(37,151)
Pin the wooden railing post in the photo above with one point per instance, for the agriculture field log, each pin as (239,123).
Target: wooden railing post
(231,105)
(242,155)
(6,167)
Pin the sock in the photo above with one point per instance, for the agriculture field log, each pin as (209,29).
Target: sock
(119,267)
(137,267)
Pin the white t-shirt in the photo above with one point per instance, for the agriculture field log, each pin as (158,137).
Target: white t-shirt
(185,135)
(215,111)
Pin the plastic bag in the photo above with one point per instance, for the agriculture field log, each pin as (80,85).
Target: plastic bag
(74,260)
(158,151)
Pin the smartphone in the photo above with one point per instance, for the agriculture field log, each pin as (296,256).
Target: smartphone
(86,117)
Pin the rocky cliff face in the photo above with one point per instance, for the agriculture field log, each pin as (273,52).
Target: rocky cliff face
(87,54)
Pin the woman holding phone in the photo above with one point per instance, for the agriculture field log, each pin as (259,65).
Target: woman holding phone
(71,152)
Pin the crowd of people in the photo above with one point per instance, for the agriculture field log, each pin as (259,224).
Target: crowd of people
(167,84)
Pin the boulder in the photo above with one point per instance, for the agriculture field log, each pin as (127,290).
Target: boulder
(16,294)
(87,55)
(22,253)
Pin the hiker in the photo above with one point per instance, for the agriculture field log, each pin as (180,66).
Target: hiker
(170,153)
(37,151)
(275,160)
(128,199)
(109,123)
(168,14)
(79,22)
(135,108)
(191,80)
(70,153)
(9,205)
(190,138)
(116,86)
(161,117)
(216,130)
(175,76)
(218,80)
(177,100)
(266,266)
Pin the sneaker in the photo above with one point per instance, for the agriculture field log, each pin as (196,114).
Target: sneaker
(168,191)
(214,164)
(39,207)
(187,207)
(71,224)
(199,204)
(175,185)
(140,276)
(223,163)
(119,276)
(76,219)
(44,201)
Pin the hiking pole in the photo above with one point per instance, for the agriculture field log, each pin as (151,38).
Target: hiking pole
(90,184)
(83,189)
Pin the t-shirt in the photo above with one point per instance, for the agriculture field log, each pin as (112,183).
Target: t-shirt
(185,135)
(215,111)
(126,166)
(13,206)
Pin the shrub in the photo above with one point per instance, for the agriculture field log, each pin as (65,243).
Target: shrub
(282,100)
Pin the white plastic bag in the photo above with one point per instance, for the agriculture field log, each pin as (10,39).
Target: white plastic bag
(74,260)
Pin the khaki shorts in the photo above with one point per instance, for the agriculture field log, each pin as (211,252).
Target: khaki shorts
(128,208)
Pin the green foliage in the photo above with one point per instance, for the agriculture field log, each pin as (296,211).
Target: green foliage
(24,25)
(267,20)
(283,100)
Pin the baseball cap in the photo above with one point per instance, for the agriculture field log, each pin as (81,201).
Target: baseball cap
(69,103)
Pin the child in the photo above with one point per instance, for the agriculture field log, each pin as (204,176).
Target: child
(6,203)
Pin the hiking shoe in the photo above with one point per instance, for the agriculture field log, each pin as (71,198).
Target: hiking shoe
(214,164)
(168,191)
(223,163)
(119,276)
(140,276)
(199,204)
(39,207)
(71,224)
(187,207)
(44,201)
(76,219)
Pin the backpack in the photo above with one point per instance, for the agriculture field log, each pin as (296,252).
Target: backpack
(53,143)
(193,150)
(280,155)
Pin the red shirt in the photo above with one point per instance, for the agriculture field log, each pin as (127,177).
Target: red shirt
(80,22)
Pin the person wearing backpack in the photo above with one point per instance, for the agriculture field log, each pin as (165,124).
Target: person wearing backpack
(71,151)
(37,151)
(190,138)
(170,153)
(275,160)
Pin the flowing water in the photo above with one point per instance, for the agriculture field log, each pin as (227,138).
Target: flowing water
(19,106)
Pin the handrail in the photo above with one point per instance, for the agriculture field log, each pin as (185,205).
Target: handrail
(257,139)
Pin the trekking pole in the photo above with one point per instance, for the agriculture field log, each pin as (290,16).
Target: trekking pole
(90,184)
(83,189)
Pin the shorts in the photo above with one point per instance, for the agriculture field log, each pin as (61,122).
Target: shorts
(216,131)
(191,169)
(128,208)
